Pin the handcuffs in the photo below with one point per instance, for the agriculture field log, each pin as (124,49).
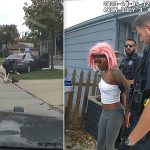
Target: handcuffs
(146,101)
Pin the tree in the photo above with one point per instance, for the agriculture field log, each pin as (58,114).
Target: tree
(46,18)
(8,34)
(59,42)
(31,37)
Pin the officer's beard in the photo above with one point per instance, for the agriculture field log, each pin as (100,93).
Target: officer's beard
(129,54)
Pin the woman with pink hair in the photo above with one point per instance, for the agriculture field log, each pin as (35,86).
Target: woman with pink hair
(112,84)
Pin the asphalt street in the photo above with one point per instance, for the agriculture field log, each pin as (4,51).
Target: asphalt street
(12,95)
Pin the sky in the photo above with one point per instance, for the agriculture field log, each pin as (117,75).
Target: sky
(11,12)
(77,11)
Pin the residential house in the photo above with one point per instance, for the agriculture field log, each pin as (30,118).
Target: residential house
(21,46)
(113,28)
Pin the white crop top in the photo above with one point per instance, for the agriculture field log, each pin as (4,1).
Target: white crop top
(109,93)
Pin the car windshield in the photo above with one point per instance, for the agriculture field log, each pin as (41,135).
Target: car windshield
(31,89)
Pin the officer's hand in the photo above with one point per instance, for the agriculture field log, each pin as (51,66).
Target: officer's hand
(127,119)
(130,82)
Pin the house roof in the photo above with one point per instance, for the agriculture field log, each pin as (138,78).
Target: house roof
(124,16)
(17,46)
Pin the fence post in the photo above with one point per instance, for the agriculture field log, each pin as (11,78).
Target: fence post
(85,98)
(78,97)
(94,83)
(65,72)
(74,116)
(70,99)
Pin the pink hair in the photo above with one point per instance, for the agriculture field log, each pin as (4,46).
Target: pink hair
(103,49)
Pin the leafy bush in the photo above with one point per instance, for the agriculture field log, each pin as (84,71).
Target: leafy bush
(4,53)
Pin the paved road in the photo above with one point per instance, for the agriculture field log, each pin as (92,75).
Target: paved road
(11,95)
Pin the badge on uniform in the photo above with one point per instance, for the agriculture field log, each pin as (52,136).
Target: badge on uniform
(130,62)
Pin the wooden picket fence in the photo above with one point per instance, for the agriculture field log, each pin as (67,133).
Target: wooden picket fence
(73,114)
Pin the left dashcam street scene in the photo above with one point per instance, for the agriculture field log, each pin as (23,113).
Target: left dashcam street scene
(31,74)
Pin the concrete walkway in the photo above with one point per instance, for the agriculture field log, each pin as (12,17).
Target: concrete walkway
(50,91)
(43,97)
(11,95)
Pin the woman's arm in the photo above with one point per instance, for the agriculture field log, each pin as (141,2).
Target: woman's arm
(123,82)
(120,79)
(123,99)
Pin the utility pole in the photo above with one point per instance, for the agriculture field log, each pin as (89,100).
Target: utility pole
(51,48)
(55,47)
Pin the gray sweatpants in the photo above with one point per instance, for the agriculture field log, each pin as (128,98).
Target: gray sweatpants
(108,128)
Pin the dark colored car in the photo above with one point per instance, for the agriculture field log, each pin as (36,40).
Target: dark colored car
(43,61)
(23,61)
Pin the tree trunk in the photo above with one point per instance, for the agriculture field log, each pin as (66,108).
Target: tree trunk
(6,45)
(51,49)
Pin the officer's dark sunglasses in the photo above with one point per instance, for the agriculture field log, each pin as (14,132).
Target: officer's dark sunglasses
(127,45)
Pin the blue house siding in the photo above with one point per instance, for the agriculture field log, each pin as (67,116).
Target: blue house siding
(113,28)
(79,41)
(90,37)
(93,28)
(122,36)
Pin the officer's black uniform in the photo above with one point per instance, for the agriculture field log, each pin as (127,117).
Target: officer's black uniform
(8,65)
(143,81)
(129,66)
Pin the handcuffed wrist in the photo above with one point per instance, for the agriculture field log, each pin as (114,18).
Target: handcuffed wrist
(128,142)
(127,110)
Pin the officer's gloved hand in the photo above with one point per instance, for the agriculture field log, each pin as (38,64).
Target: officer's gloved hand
(123,146)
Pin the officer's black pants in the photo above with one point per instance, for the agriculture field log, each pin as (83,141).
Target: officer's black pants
(143,144)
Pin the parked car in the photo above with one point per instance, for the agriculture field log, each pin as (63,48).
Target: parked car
(27,62)
(23,61)
(43,61)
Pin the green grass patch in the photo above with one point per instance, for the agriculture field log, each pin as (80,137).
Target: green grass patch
(42,74)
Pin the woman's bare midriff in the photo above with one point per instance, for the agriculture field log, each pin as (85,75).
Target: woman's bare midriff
(112,106)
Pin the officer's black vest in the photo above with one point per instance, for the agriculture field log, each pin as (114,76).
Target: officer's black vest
(144,74)
(141,78)
(128,66)
(144,143)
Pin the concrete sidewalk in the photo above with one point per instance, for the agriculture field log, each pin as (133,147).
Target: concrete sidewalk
(49,91)
(12,96)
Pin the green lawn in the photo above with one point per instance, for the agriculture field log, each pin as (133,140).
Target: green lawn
(42,74)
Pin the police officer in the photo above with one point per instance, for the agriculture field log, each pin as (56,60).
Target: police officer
(129,67)
(139,138)
(129,64)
